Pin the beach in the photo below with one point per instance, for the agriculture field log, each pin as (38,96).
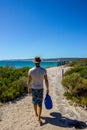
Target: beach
(19,115)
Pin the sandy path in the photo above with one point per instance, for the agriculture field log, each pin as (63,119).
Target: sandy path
(20,116)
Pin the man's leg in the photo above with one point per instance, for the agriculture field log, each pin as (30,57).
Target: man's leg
(40,95)
(39,112)
(34,101)
(35,109)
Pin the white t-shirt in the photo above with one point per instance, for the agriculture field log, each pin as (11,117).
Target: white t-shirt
(37,74)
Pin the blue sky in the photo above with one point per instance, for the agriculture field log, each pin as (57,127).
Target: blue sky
(48,28)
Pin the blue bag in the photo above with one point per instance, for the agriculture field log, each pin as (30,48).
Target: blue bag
(48,102)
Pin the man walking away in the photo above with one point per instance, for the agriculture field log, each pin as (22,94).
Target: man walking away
(36,75)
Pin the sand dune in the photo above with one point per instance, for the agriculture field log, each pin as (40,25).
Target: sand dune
(19,115)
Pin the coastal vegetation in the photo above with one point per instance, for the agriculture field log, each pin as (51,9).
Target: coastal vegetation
(75,82)
(13,83)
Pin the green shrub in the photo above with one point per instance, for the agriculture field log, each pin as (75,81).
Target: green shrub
(83,101)
(75,82)
(13,83)
(82,62)
(82,70)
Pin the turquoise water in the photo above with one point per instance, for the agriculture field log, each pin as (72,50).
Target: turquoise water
(20,64)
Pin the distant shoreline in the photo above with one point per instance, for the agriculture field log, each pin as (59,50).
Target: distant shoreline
(45,59)
(15,63)
(23,63)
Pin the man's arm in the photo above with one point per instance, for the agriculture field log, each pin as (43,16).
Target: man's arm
(29,83)
(46,83)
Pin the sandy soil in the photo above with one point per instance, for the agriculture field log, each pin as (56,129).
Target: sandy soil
(19,115)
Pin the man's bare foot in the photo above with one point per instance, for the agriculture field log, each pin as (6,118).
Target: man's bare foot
(40,122)
(36,114)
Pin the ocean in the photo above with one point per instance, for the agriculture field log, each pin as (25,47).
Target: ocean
(26,63)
